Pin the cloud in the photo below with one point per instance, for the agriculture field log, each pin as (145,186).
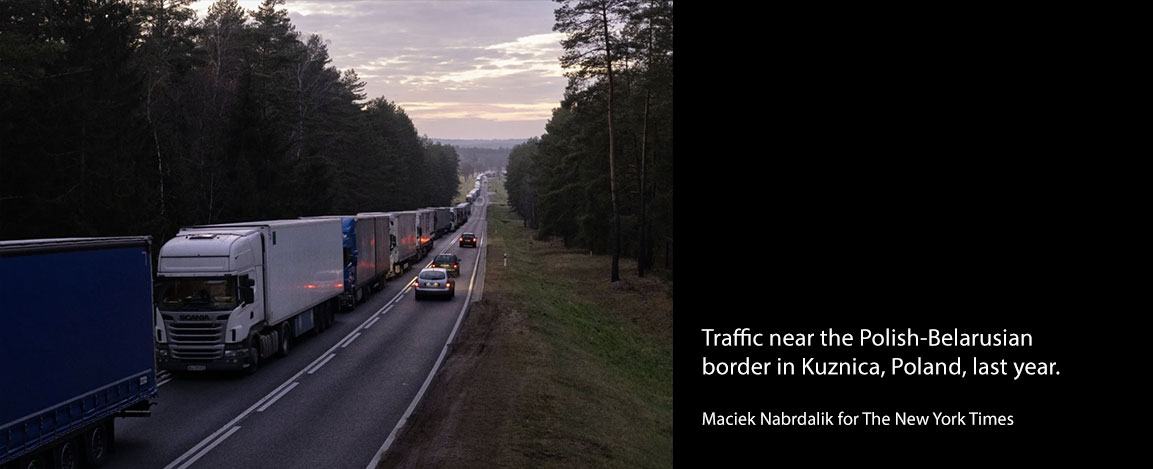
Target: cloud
(492,112)
(473,60)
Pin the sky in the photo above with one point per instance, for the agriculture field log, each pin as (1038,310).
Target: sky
(460,69)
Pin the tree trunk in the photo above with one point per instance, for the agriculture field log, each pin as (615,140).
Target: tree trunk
(642,250)
(616,275)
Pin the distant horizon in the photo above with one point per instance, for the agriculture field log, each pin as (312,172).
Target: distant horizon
(484,139)
(483,143)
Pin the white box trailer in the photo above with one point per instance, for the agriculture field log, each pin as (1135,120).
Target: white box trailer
(231,295)
(404,243)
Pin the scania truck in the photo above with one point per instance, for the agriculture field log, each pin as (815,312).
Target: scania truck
(233,295)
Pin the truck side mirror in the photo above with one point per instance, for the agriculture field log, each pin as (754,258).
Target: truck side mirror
(247,293)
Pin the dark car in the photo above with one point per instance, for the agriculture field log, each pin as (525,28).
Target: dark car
(435,282)
(468,239)
(448,262)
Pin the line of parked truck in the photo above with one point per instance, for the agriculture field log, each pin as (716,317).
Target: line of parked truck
(83,348)
(475,192)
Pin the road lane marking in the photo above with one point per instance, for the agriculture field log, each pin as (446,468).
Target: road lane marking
(373,321)
(277,398)
(209,448)
(350,340)
(317,367)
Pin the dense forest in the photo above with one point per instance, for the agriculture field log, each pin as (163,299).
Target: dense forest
(133,117)
(601,177)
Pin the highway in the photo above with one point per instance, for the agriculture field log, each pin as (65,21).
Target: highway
(333,402)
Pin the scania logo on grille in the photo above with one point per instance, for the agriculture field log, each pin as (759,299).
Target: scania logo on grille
(194,317)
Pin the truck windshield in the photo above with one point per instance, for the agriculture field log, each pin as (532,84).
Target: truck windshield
(197,294)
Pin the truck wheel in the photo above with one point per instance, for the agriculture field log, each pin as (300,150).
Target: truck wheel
(66,456)
(34,462)
(320,321)
(253,354)
(282,348)
(330,316)
(97,445)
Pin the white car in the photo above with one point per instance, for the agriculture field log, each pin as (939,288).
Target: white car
(435,282)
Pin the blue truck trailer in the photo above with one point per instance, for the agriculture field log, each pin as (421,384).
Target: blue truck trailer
(76,340)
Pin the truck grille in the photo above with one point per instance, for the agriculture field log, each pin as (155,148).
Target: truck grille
(196,340)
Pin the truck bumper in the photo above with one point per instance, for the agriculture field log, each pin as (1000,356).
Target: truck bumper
(234,359)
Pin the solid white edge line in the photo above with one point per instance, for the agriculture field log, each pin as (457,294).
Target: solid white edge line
(436,366)
(277,398)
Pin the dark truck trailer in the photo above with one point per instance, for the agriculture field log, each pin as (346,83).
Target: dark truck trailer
(77,345)
(425,229)
(442,221)
(404,242)
(365,244)
(460,215)
(382,243)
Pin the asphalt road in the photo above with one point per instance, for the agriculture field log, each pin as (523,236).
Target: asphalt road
(333,402)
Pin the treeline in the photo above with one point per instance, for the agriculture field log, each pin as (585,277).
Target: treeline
(137,117)
(601,177)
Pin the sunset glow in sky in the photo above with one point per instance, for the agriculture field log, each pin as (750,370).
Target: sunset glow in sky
(461,69)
